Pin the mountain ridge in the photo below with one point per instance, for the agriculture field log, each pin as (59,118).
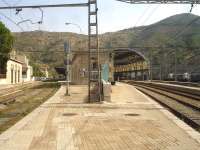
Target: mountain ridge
(178,30)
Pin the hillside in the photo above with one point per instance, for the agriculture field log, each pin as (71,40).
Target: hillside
(181,31)
(47,47)
(171,30)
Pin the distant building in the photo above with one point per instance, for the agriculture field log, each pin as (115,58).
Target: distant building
(79,68)
(27,70)
(14,72)
(18,70)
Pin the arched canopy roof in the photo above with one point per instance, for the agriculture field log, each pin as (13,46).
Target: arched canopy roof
(126,56)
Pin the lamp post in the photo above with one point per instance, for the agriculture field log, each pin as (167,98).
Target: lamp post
(78,26)
(67,48)
(69,23)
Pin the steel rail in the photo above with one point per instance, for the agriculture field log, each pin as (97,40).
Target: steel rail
(189,93)
(190,116)
(185,108)
(8,95)
(176,97)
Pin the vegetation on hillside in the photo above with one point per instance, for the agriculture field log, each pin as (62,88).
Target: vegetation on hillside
(47,47)
(180,32)
(37,70)
(6,43)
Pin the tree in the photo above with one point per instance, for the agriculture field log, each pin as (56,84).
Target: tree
(36,70)
(6,43)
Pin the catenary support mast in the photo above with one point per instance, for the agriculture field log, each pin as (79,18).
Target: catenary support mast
(94,73)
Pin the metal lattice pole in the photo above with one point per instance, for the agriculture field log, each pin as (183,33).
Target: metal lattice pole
(93,48)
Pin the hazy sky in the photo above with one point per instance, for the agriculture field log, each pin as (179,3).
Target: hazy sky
(113,15)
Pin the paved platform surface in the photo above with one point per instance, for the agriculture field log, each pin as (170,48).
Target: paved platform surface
(130,122)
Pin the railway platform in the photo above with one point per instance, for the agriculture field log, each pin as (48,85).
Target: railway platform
(131,121)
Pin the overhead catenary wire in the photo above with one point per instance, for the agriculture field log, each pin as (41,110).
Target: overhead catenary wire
(12,21)
(192,5)
(186,27)
(27,25)
(18,2)
(29,20)
(43,6)
(179,33)
(8,18)
(46,6)
(160,1)
(148,17)
(104,49)
(140,17)
(5,2)
(18,13)
(150,14)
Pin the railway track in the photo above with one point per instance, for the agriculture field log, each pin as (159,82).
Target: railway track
(191,84)
(8,95)
(183,102)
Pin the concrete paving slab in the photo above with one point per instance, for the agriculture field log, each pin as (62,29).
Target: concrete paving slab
(130,122)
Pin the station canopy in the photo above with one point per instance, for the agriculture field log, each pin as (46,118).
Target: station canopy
(127,56)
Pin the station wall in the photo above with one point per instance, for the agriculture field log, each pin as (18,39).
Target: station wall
(79,68)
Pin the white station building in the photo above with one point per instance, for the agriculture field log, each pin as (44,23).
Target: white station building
(13,73)
(18,70)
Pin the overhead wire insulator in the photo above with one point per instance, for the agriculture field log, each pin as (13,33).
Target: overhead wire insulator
(18,10)
(29,20)
(192,5)
(42,16)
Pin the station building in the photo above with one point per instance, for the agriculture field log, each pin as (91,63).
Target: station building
(27,70)
(14,72)
(79,67)
(119,64)
(18,70)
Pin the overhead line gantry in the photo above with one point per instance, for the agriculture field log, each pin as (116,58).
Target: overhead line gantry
(161,1)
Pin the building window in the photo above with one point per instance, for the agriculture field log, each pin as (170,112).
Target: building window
(12,76)
(15,76)
(18,75)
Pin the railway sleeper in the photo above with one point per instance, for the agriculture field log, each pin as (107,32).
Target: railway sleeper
(10,99)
